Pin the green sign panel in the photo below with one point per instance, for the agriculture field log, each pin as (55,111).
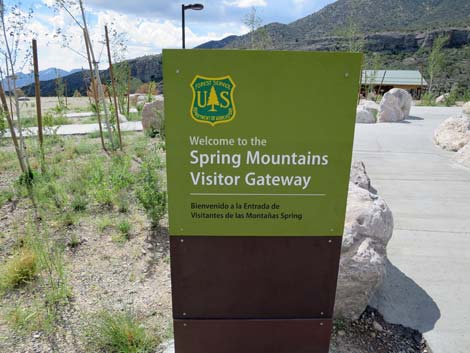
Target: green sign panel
(259,142)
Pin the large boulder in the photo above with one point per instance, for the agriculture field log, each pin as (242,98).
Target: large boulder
(153,116)
(395,106)
(371,106)
(466,109)
(442,98)
(364,116)
(359,177)
(453,133)
(463,156)
(366,112)
(367,231)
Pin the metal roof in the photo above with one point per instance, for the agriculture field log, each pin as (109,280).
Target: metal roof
(393,78)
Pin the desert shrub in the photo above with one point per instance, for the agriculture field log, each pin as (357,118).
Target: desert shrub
(26,318)
(124,228)
(79,203)
(428,99)
(104,223)
(107,183)
(3,123)
(122,202)
(104,197)
(120,176)
(74,241)
(83,148)
(6,196)
(49,193)
(67,219)
(115,332)
(150,190)
(451,99)
(19,270)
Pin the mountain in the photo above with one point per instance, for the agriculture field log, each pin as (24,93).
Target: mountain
(401,32)
(24,79)
(393,34)
(143,69)
(382,16)
(217,44)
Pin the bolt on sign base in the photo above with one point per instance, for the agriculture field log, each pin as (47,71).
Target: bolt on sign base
(246,336)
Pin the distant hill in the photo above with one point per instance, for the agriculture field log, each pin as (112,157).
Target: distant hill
(382,16)
(24,79)
(145,69)
(400,31)
(217,44)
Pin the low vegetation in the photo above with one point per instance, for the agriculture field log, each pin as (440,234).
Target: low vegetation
(76,187)
(116,332)
(19,270)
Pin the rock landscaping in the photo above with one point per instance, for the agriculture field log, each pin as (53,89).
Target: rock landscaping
(453,133)
(367,112)
(153,116)
(395,106)
(463,156)
(367,231)
(466,109)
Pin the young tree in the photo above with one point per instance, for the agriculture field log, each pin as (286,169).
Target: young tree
(72,7)
(3,124)
(259,36)
(351,30)
(13,21)
(436,59)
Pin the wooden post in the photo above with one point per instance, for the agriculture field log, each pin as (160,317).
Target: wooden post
(95,91)
(129,93)
(3,99)
(66,94)
(382,82)
(85,84)
(113,83)
(37,91)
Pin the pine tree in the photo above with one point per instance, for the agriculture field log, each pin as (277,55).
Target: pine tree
(213,100)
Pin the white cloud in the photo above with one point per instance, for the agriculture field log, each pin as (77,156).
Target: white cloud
(246,3)
(145,36)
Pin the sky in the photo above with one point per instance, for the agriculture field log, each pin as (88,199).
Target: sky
(144,26)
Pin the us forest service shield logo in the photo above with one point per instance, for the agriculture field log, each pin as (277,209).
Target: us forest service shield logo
(212,100)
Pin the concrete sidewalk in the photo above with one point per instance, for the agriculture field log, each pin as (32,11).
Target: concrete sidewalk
(428,280)
(79,129)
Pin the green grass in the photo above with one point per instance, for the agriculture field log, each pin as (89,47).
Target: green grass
(104,223)
(150,190)
(25,319)
(8,160)
(124,228)
(6,196)
(74,241)
(21,269)
(79,203)
(134,116)
(48,120)
(115,332)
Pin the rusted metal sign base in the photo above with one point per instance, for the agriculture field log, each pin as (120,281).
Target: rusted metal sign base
(252,336)
(254,277)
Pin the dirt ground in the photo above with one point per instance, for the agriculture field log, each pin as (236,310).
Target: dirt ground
(105,272)
(75,104)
